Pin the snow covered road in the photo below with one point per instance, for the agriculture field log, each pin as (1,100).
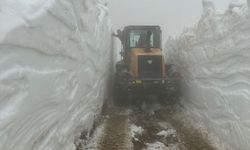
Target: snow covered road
(56,62)
(147,126)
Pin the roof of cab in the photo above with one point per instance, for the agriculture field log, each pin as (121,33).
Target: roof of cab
(142,27)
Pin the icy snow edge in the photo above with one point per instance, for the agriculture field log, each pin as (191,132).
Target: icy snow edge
(55,58)
(214,59)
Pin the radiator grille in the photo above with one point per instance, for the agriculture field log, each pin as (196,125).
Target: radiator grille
(150,66)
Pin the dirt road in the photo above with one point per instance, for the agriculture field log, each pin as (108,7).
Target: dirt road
(148,126)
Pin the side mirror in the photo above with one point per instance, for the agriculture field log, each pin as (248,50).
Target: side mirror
(122,54)
(119,32)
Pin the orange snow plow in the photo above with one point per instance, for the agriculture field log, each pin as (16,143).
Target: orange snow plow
(142,70)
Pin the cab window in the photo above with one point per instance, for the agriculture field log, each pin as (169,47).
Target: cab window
(138,39)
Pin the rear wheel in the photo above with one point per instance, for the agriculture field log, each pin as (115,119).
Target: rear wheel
(172,93)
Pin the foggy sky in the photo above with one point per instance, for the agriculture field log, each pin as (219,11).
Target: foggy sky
(172,15)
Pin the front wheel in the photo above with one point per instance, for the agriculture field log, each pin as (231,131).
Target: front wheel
(120,97)
(169,99)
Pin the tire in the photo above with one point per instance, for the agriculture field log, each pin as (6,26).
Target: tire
(168,99)
(120,97)
(120,94)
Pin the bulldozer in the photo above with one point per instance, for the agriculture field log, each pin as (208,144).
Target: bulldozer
(142,71)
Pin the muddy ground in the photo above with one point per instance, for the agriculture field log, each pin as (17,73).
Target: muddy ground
(148,125)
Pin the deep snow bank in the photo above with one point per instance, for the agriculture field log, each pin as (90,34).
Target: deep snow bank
(54,65)
(215,58)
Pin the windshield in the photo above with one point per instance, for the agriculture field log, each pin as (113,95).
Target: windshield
(138,39)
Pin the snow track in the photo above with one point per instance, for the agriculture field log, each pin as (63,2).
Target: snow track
(137,128)
(116,132)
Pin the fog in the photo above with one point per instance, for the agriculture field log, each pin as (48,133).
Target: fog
(62,89)
(173,16)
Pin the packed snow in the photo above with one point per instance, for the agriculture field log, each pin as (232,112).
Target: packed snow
(55,61)
(214,57)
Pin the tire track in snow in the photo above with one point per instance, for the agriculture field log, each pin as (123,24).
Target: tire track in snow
(137,128)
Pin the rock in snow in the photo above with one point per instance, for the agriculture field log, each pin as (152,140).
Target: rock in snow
(215,58)
(55,58)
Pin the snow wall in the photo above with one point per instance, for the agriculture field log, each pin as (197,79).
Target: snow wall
(214,57)
(55,58)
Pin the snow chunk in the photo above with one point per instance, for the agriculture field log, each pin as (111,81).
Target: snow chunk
(135,131)
(156,146)
(167,133)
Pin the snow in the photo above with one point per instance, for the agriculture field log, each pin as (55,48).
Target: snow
(156,146)
(135,131)
(161,146)
(93,142)
(55,61)
(167,133)
(214,58)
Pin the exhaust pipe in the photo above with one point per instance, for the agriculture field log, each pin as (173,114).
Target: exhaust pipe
(148,40)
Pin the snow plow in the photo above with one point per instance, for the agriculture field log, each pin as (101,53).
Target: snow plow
(142,70)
